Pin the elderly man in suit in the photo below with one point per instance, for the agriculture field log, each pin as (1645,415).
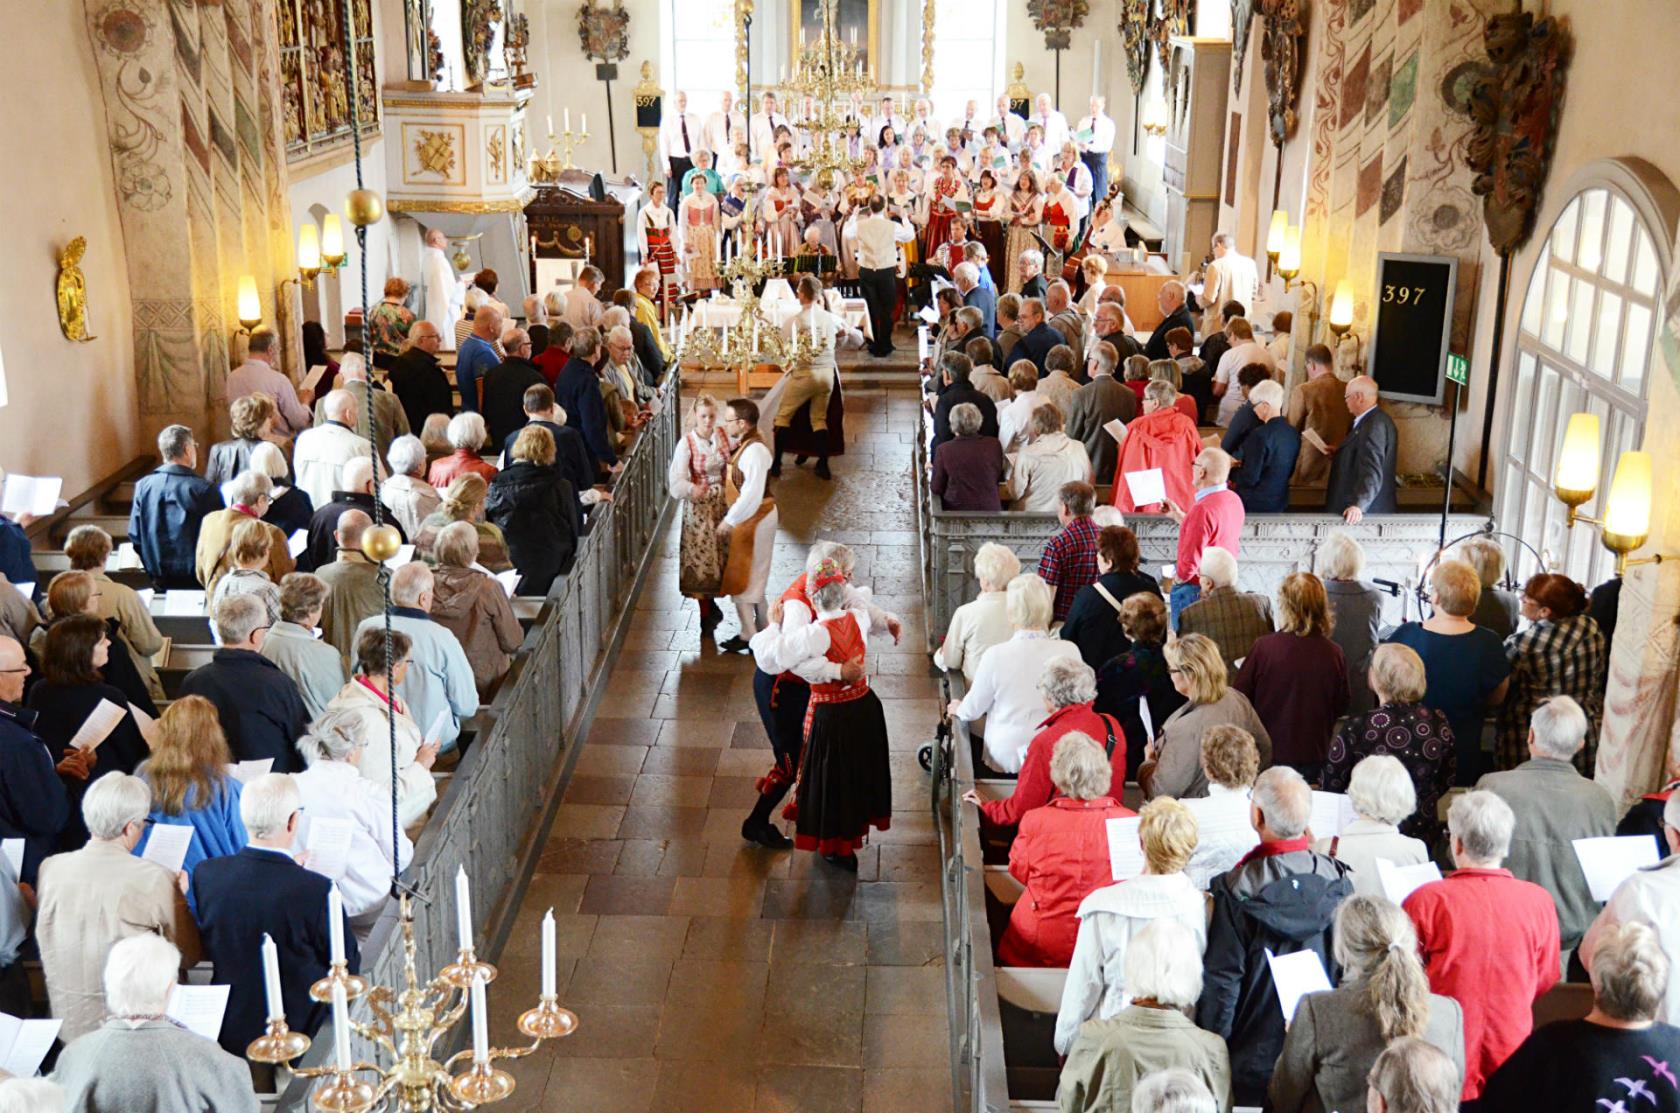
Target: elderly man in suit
(259,893)
(967,278)
(1038,337)
(1362,473)
(1066,319)
(1317,405)
(1174,314)
(1097,403)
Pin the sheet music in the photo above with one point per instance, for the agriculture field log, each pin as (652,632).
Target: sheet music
(434,733)
(24,1043)
(1147,486)
(199,1008)
(1116,429)
(247,771)
(329,845)
(404,555)
(1296,975)
(1311,437)
(1611,860)
(183,603)
(1331,811)
(297,542)
(1224,824)
(26,590)
(313,379)
(147,724)
(1125,854)
(509,581)
(166,844)
(31,494)
(101,721)
(13,850)
(1400,882)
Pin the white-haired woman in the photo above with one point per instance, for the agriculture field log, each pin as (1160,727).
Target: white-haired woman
(1150,1055)
(1060,855)
(1616,1057)
(1172,762)
(1384,996)
(30,1095)
(696,478)
(1111,918)
(1356,612)
(333,788)
(1067,686)
(1419,737)
(1005,687)
(406,491)
(1382,796)
(982,622)
(289,508)
(467,434)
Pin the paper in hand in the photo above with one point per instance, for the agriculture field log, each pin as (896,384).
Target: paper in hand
(25,1043)
(313,379)
(31,494)
(26,590)
(1400,882)
(1147,486)
(167,844)
(1125,853)
(12,849)
(404,555)
(328,844)
(1607,862)
(929,314)
(297,542)
(247,771)
(434,733)
(98,725)
(183,603)
(1311,437)
(1116,429)
(509,581)
(1331,812)
(1294,976)
(199,1008)
(147,725)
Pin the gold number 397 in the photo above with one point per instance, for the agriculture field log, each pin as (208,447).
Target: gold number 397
(1404,295)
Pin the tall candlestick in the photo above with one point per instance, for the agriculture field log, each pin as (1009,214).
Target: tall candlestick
(271,978)
(548,954)
(480,1022)
(463,909)
(551,123)
(341,1028)
(335,922)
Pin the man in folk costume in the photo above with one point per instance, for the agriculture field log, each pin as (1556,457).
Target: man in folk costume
(814,383)
(750,522)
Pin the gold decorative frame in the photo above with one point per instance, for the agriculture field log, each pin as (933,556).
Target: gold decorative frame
(929,11)
(796,11)
(445,205)
(743,12)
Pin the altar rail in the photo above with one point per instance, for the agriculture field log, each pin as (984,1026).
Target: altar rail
(493,811)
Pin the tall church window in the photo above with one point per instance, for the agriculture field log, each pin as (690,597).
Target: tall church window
(967,57)
(700,55)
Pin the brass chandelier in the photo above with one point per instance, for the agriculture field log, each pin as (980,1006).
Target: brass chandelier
(833,75)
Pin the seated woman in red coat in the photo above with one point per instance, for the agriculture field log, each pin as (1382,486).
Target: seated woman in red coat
(1161,437)
(1068,686)
(1061,856)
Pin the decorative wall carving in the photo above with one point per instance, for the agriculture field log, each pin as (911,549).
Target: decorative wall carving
(1281,44)
(930,12)
(1177,18)
(1058,19)
(435,151)
(1242,19)
(495,146)
(72,291)
(743,13)
(478,21)
(1134,42)
(1515,102)
(316,103)
(604,31)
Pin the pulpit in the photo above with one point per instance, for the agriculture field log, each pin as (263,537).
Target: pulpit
(568,226)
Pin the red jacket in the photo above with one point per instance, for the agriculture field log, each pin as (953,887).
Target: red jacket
(1165,439)
(1216,519)
(1061,856)
(1490,942)
(445,469)
(1033,788)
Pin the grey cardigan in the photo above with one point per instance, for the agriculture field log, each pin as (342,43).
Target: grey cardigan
(152,1066)
(1357,608)
(1329,1048)
(1178,748)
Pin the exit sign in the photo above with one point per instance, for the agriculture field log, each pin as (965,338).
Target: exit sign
(1458,369)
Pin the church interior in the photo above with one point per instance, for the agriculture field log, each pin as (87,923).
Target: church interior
(869,412)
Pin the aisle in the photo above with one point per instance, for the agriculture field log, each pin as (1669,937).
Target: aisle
(708,974)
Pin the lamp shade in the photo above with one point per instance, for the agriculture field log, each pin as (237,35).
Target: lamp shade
(309,246)
(1289,260)
(1576,475)
(1341,305)
(332,239)
(1627,515)
(1276,233)
(250,306)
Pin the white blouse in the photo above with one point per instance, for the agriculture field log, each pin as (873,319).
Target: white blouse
(706,455)
(1006,692)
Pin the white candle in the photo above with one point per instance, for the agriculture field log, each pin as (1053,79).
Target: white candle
(568,119)
(548,954)
(583,123)
(755,336)
(921,344)
(271,978)
(463,909)
(480,1022)
(551,123)
(335,922)
(341,1027)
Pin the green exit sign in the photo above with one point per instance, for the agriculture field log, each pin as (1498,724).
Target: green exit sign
(1458,370)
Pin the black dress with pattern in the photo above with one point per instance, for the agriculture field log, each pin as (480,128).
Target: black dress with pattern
(1420,737)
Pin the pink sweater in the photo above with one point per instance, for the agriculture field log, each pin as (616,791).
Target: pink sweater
(1215,519)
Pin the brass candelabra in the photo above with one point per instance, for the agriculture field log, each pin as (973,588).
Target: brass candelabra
(829,73)
(752,339)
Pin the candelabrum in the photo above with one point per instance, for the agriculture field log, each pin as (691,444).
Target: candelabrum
(406,1025)
(829,79)
(752,339)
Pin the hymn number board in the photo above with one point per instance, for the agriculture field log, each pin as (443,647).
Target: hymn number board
(1414,300)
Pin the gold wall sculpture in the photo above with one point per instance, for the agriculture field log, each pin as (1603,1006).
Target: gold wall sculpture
(928,13)
(72,291)
(315,105)
(743,12)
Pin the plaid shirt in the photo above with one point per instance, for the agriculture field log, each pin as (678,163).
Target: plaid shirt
(1563,657)
(1232,618)
(1070,562)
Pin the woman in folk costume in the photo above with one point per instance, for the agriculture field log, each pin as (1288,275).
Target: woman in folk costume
(1026,213)
(696,477)
(779,218)
(1061,221)
(732,214)
(654,230)
(845,780)
(946,192)
(749,523)
(819,206)
(700,220)
(991,215)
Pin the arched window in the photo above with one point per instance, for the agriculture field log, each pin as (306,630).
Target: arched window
(967,58)
(1585,341)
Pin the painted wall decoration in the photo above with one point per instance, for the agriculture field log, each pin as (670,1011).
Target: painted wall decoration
(1135,41)
(1281,44)
(1058,19)
(312,52)
(1514,102)
(604,31)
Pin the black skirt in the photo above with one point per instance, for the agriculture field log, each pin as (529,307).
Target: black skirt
(799,438)
(845,779)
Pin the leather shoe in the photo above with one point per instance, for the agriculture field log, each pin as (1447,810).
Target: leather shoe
(736,644)
(765,834)
(799,461)
(821,471)
(846,862)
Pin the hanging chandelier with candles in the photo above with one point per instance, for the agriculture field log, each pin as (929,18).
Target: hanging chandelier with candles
(833,76)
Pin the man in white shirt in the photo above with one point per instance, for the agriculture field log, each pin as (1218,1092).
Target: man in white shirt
(750,525)
(812,383)
(1095,136)
(1051,120)
(926,120)
(442,290)
(724,129)
(583,308)
(763,129)
(257,375)
(1649,896)
(885,116)
(970,122)
(679,136)
(1013,128)
(319,456)
(1232,276)
(877,254)
(1244,350)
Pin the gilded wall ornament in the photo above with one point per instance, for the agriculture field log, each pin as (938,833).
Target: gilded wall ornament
(1242,19)
(604,31)
(1058,19)
(1176,18)
(495,145)
(1514,103)
(929,11)
(478,18)
(72,291)
(1134,40)
(436,152)
(1281,43)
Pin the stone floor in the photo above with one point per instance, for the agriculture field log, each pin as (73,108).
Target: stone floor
(708,974)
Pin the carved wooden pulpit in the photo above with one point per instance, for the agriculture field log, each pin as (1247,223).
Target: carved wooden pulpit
(565,222)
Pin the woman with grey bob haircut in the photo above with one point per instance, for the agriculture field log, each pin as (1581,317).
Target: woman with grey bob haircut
(1173,1091)
(1481,824)
(1356,612)
(1413,1076)
(965,419)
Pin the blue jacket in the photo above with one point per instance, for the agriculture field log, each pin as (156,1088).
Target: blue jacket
(257,892)
(16,561)
(163,523)
(33,803)
(217,829)
(1268,460)
(1035,345)
(578,390)
(475,357)
(260,707)
(984,298)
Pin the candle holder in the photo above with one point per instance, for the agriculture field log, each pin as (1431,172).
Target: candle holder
(338,974)
(482,1085)
(465,968)
(569,140)
(548,1020)
(343,1092)
(278,1045)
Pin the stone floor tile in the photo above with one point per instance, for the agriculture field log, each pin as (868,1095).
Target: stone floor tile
(733,792)
(633,896)
(906,943)
(680,761)
(661,791)
(561,892)
(609,761)
(808,1089)
(599,790)
(660,822)
(621,982)
(727,939)
(587,821)
(631,938)
(610,1032)
(569,855)
(906,1041)
(686,1087)
(901,989)
(898,1089)
(811,900)
(833,942)
(738,897)
(623,732)
(621,1085)
(695,728)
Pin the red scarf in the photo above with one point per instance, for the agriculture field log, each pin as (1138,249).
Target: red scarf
(1273,848)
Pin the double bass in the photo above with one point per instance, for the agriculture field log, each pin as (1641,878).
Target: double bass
(1072,272)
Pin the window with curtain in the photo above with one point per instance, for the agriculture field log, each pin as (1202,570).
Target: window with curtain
(700,53)
(967,61)
(1585,343)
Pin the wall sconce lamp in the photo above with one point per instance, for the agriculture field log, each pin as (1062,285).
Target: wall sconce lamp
(1155,119)
(1276,234)
(332,241)
(308,252)
(1626,524)
(249,304)
(1340,317)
